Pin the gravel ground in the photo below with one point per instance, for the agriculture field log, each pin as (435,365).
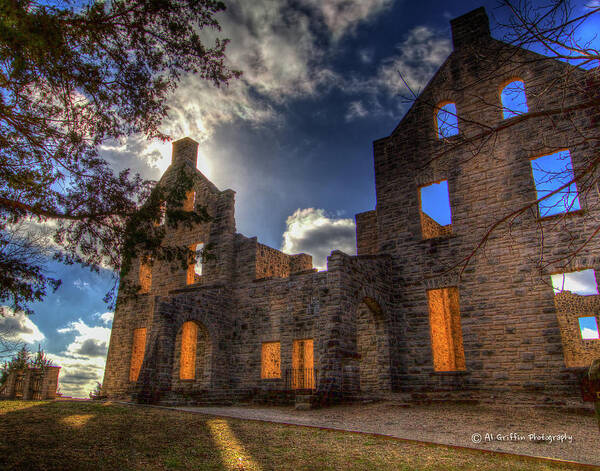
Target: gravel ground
(453,424)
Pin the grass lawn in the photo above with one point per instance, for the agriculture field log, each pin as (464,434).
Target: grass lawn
(36,436)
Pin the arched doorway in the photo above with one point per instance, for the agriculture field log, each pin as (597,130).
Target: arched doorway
(372,344)
(191,357)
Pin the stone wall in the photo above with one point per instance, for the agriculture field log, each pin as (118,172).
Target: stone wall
(43,389)
(369,315)
(271,262)
(578,352)
(511,334)
(366,233)
(430,228)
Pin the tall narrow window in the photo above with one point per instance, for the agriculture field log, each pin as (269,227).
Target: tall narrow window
(436,217)
(190,201)
(447,121)
(194,271)
(551,175)
(446,333)
(162,213)
(270,360)
(137,353)
(145,276)
(588,328)
(582,282)
(187,360)
(303,373)
(514,100)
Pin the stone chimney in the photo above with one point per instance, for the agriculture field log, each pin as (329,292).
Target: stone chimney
(470,28)
(185,151)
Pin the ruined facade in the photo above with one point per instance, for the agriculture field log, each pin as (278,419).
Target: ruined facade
(31,383)
(405,314)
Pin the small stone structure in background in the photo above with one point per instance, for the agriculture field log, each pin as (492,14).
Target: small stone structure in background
(31,383)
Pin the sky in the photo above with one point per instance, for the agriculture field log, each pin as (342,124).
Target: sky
(293,137)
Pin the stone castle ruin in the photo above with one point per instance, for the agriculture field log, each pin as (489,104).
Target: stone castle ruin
(405,315)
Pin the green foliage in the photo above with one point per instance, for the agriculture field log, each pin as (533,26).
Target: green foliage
(71,78)
(96,394)
(23,360)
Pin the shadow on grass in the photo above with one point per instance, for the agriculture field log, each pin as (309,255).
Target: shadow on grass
(86,436)
(103,436)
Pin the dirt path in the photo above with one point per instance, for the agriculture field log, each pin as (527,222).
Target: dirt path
(558,434)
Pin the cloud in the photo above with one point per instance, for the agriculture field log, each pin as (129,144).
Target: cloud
(106,318)
(312,231)
(19,327)
(83,360)
(356,109)
(579,282)
(282,55)
(78,376)
(342,16)
(89,341)
(420,55)
(366,55)
(587,333)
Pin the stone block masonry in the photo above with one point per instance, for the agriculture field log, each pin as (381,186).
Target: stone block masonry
(401,315)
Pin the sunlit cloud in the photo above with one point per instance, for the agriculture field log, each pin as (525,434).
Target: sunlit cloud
(420,55)
(82,361)
(19,327)
(106,317)
(282,57)
(589,334)
(313,232)
(579,282)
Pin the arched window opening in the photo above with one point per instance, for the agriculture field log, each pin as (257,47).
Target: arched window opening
(137,353)
(187,361)
(447,120)
(372,347)
(514,100)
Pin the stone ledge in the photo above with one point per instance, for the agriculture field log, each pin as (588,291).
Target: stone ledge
(196,287)
(577,212)
(304,272)
(451,373)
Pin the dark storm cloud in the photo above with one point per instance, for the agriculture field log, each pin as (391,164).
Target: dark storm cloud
(92,348)
(312,231)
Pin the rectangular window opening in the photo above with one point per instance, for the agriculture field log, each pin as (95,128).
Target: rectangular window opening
(137,353)
(582,282)
(163,213)
(436,216)
(145,277)
(588,328)
(270,360)
(551,172)
(187,360)
(445,328)
(195,269)
(303,373)
(190,201)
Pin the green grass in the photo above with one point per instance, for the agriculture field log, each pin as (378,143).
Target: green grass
(89,436)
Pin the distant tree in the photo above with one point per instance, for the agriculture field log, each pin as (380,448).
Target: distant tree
(73,76)
(23,360)
(97,392)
